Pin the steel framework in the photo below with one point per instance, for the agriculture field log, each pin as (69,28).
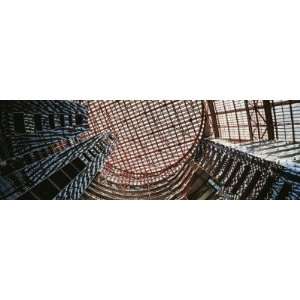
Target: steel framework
(255,120)
(156,143)
(154,138)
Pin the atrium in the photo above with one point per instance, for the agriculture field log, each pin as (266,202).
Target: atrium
(150,149)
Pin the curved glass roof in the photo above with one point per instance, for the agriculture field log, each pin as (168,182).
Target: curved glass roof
(152,136)
(157,139)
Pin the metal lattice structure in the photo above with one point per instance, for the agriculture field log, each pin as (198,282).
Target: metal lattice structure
(145,164)
(154,138)
(255,120)
(242,175)
(163,149)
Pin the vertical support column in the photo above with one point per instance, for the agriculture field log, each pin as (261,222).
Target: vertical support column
(255,108)
(269,120)
(210,104)
(237,121)
(292,120)
(249,120)
(275,120)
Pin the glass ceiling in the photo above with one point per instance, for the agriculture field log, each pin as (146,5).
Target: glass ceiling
(152,136)
(156,139)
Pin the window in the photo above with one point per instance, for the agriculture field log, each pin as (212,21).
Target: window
(51,121)
(38,122)
(44,190)
(19,123)
(70,171)
(62,120)
(70,120)
(78,164)
(60,179)
(27,196)
(79,120)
